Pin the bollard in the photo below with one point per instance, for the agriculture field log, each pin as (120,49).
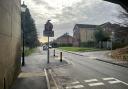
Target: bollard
(60,56)
(54,53)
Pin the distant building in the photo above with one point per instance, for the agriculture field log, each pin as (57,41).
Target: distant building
(120,33)
(83,33)
(64,39)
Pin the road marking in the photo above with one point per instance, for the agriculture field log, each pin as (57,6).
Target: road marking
(108,78)
(91,80)
(96,84)
(76,82)
(114,81)
(76,86)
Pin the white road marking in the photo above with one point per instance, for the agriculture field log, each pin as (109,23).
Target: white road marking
(96,84)
(76,82)
(108,78)
(115,81)
(124,83)
(76,86)
(91,80)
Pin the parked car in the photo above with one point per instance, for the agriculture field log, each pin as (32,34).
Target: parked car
(50,46)
(45,47)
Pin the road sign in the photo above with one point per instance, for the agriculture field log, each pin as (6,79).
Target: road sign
(48,33)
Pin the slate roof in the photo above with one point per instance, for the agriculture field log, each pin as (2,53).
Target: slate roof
(86,26)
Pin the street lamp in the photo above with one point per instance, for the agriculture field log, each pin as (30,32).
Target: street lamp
(112,37)
(23,9)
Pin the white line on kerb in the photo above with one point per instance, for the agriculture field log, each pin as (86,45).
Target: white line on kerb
(96,84)
(91,80)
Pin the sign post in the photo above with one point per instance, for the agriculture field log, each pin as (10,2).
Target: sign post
(49,33)
(48,51)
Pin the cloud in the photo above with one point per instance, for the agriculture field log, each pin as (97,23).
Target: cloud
(65,15)
(43,3)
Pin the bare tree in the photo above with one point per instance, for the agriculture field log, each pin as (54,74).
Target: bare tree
(124,17)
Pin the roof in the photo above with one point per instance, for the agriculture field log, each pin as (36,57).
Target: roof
(86,26)
(64,35)
(108,24)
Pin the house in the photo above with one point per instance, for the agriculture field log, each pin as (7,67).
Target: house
(65,39)
(83,33)
(120,32)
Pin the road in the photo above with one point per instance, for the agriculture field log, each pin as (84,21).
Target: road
(93,74)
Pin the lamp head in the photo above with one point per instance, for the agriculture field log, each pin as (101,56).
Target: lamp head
(23,7)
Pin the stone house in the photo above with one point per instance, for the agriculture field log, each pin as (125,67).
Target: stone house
(83,33)
(120,32)
(64,39)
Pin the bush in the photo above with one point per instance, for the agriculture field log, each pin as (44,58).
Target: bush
(118,45)
(29,51)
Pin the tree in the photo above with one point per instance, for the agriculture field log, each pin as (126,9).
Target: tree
(30,32)
(124,17)
(100,35)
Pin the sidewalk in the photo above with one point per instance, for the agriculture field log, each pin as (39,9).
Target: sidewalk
(32,75)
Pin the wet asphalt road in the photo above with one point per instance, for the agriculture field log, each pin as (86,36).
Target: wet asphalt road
(92,74)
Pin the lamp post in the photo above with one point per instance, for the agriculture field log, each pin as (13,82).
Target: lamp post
(112,37)
(23,9)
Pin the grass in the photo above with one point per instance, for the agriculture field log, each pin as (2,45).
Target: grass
(79,49)
(28,51)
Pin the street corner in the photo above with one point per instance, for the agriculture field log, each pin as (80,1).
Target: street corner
(56,62)
(61,78)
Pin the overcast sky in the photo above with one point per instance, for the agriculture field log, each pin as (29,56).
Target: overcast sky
(66,13)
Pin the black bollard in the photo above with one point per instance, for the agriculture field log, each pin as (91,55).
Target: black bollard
(60,56)
(54,53)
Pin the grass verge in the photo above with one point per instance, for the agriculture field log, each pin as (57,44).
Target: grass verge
(28,51)
(79,49)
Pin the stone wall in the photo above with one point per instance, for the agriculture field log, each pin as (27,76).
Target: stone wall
(10,38)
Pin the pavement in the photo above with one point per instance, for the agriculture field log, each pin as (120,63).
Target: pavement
(33,75)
